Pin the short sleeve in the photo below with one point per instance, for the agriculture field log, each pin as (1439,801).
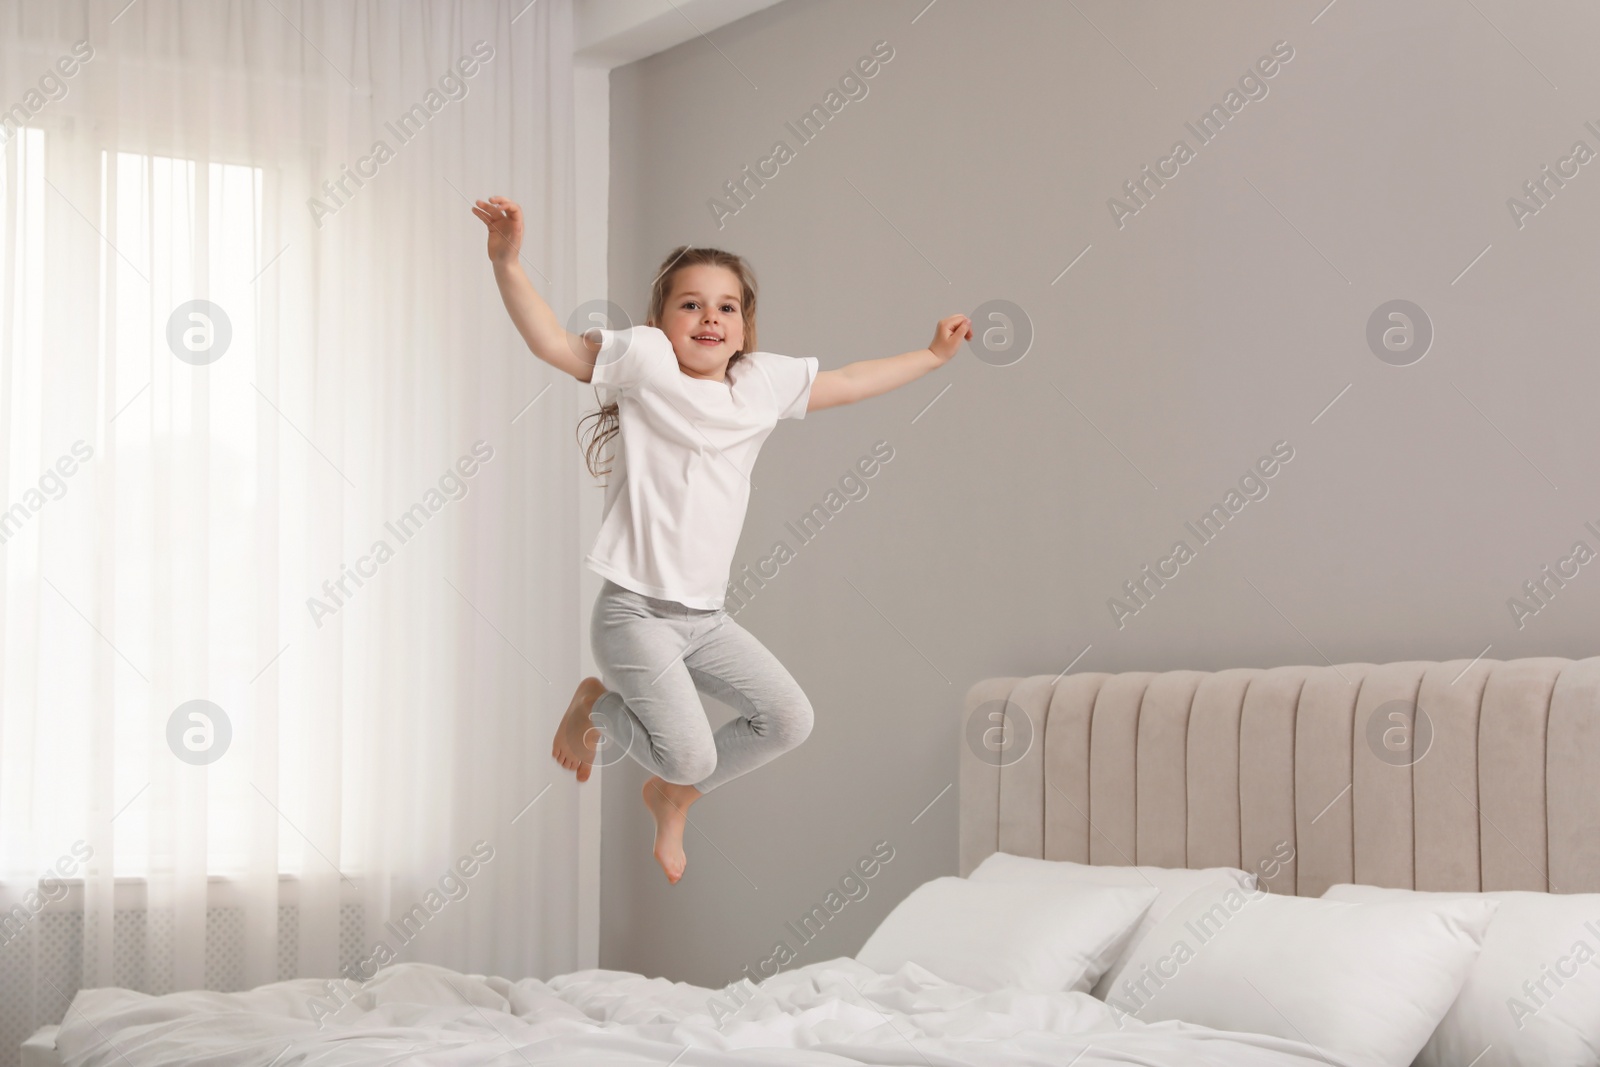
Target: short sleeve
(626,356)
(790,378)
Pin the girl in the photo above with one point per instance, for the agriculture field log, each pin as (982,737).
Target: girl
(692,399)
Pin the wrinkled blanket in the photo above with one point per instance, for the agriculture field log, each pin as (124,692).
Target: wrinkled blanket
(834,1012)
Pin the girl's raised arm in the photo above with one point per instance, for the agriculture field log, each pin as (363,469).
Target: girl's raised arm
(545,335)
(874,377)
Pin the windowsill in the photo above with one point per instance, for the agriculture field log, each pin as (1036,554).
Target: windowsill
(129,891)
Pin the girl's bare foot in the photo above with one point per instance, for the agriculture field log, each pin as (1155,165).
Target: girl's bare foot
(669,804)
(574,743)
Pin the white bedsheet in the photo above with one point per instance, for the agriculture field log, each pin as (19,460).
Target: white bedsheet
(835,1012)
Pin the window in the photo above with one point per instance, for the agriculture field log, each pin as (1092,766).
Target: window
(185,432)
(171,510)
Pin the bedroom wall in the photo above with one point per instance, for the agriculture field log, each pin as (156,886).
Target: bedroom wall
(1176,343)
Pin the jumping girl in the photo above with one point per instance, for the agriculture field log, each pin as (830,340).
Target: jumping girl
(692,399)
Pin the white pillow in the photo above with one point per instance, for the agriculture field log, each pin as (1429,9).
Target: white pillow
(1517,1002)
(1172,884)
(997,935)
(1368,982)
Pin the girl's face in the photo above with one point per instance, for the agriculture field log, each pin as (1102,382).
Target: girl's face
(704,320)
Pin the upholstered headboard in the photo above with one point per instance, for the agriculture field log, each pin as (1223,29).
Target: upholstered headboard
(1467,775)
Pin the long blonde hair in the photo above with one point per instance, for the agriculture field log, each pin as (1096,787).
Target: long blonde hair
(607,423)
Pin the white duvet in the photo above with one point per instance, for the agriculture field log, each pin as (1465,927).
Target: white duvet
(835,1012)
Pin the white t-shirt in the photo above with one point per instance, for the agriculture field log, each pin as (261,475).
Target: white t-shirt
(680,477)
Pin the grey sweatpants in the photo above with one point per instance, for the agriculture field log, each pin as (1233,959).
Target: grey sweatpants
(655,657)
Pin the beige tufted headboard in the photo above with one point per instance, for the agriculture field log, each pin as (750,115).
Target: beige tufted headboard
(1332,765)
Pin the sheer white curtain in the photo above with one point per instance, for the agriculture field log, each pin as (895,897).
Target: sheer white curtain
(289,562)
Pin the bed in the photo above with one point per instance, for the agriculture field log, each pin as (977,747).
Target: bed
(1185,770)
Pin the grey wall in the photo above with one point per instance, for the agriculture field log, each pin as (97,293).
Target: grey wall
(1222,318)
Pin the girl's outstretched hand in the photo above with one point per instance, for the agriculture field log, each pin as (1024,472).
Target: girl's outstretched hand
(948,335)
(504,219)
